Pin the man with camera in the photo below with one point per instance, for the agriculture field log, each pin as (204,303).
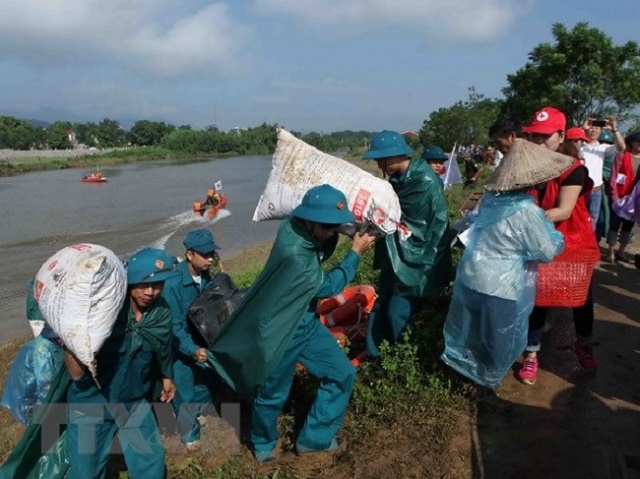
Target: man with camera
(594,154)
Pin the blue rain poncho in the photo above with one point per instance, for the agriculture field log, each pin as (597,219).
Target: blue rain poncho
(495,288)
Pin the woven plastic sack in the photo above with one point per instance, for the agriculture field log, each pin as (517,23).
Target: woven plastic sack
(297,166)
(80,291)
(565,281)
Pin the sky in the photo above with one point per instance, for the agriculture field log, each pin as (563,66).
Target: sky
(308,65)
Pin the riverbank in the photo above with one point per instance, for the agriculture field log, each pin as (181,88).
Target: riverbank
(14,162)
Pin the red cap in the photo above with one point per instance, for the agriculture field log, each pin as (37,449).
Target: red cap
(577,133)
(547,121)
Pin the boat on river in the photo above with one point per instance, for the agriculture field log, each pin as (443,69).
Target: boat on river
(209,210)
(95,177)
(215,202)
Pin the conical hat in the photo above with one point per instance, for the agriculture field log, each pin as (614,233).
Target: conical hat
(527,164)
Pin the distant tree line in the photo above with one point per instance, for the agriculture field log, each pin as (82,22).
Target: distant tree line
(24,135)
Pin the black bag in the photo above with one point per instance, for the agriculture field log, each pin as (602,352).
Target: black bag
(211,310)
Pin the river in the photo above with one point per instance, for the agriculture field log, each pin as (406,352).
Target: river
(146,203)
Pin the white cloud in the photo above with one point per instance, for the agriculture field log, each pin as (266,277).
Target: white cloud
(448,20)
(164,37)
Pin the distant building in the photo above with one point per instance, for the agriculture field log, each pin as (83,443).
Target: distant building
(71,136)
(411,134)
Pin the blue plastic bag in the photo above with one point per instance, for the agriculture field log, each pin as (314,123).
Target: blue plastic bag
(29,379)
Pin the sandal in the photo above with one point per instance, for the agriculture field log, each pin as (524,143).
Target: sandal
(622,258)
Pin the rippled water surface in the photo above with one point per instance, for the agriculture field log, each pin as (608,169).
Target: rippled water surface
(146,203)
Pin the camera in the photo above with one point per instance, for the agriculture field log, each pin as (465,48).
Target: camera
(599,123)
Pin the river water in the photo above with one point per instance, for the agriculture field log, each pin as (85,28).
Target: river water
(142,204)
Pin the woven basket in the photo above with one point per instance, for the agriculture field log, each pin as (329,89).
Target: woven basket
(565,281)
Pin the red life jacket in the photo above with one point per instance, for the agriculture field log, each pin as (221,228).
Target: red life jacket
(577,229)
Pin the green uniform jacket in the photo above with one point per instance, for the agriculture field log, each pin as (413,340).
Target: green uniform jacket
(180,292)
(255,338)
(124,372)
(420,264)
(126,361)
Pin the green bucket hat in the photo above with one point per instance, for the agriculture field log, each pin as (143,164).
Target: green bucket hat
(324,204)
(149,265)
(434,153)
(386,144)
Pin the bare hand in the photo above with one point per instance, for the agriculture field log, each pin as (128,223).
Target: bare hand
(168,390)
(363,241)
(611,122)
(587,123)
(200,355)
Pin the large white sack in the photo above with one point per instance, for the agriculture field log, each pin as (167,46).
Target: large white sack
(297,166)
(80,291)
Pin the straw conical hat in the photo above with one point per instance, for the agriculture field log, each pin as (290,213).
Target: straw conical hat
(527,164)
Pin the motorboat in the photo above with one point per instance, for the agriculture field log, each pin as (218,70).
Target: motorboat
(95,177)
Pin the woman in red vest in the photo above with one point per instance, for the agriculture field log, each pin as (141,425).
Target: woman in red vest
(564,200)
(625,173)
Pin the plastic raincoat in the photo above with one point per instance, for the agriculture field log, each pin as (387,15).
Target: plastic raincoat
(494,293)
(421,263)
(253,342)
(414,266)
(126,377)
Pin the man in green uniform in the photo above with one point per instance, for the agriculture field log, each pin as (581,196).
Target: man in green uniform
(193,378)
(416,259)
(140,336)
(277,327)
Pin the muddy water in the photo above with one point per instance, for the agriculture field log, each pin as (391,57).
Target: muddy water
(141,204)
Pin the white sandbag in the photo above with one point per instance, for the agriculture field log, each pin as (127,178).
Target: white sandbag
(297,166)
(80,291)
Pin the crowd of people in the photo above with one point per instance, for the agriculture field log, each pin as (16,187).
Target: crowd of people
(544,199)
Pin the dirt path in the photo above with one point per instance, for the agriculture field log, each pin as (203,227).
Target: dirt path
(569,424)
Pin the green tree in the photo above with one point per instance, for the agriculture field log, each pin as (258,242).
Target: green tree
(58,135)
(86,133)
(109,134)
(18,134)
(148,133)
(463,123)
(583,74)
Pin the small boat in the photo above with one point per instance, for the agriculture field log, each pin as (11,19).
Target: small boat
(96,177)
(211,211)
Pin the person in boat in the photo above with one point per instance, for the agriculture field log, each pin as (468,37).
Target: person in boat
(213,198)
(141,337)
(411,266)
(194,381)
(277,326)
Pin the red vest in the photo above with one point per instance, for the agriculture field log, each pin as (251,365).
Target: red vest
(577,229)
